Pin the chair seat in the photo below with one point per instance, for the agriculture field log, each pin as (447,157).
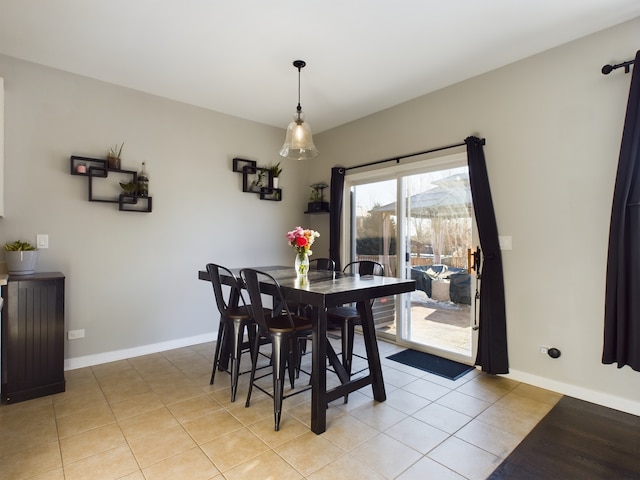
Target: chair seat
(343,313)
(281,324)
(238,313)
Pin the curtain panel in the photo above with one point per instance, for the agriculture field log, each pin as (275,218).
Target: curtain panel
(622,295)
(492,335)
(335,214)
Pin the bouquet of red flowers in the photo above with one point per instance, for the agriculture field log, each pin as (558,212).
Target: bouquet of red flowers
(302,239)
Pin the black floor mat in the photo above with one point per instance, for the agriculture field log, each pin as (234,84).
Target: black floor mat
(431,363)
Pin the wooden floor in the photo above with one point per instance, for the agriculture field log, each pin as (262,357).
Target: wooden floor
(577,440)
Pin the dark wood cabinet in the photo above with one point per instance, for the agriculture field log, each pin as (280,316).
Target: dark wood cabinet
(32,336)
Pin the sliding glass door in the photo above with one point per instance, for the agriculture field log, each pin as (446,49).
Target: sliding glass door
(417,221)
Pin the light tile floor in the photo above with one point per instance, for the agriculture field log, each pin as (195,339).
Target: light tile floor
(157,417)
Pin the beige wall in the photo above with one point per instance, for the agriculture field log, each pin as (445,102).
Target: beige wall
(131,278)
(553,125)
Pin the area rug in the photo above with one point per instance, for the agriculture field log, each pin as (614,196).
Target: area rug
(431,363)
(577,439)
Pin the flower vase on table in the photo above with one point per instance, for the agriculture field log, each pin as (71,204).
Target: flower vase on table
(301,240)
(302,264)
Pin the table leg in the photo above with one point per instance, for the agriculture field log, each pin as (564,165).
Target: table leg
(319,371)
(373,355)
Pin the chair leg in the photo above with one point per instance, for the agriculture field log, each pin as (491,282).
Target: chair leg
(348,332)
(281,349)
(216,355)
(351,332)
(347,344)
(294,361)
(254,363)
(238,333)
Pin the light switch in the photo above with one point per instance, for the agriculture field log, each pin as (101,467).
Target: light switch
(505,242)
(42,241)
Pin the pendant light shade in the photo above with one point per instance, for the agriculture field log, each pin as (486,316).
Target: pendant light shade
(298,143)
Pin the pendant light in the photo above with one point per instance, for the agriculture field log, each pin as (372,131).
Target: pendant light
(298,143)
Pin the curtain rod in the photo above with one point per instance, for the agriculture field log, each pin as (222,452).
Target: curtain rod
(397,159)
(607,69)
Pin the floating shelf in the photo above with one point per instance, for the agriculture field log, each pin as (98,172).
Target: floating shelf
(98,168)
(248,168)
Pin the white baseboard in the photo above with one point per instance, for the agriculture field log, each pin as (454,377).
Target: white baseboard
(593,396)
(98,358)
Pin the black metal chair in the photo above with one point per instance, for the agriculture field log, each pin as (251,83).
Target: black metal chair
(235,317)
(322,264)
(346,316)
(283,328)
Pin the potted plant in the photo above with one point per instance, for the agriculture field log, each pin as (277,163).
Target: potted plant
(258,181)
(316,199)
(275,174)
(113,159)
(21,257)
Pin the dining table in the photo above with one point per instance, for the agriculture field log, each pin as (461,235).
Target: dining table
(321,290)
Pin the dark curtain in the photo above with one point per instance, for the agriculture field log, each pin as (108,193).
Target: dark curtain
(622,297)
(492,339)
(335,214)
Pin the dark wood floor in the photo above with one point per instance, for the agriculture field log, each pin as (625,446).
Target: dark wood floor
(577,440)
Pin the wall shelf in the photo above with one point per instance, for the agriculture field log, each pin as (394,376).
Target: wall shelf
(98,168)
(317,203)
(249,169)
(317,207)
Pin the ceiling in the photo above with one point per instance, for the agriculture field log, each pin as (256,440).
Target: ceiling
(236,56)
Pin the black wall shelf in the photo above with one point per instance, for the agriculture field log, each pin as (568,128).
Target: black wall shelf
(248,169)
(98,168)
(317,207)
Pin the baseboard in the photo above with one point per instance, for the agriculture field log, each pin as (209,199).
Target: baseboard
(98,358)
(593,396)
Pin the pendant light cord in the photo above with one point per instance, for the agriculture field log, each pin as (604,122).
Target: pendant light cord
(299,108)
(299,64)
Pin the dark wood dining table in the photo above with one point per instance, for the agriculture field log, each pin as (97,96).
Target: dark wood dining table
(324,289)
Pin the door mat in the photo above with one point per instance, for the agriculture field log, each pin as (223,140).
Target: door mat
(431,363)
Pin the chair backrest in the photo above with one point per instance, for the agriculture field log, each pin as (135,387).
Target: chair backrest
(252,279)
(364,267)
(322,264)
(214,271)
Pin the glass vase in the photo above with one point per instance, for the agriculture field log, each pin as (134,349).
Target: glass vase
(302,264)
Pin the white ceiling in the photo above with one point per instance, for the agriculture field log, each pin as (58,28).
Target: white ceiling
(235,56)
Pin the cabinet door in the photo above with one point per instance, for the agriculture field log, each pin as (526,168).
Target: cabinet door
(33,338)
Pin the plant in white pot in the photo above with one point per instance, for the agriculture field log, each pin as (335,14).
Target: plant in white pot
(21,258)
(275,174)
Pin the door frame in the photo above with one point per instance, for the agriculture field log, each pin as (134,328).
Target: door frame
(421,164)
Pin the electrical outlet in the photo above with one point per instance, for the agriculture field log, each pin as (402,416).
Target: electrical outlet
(75,334)
(42,240)
(544,349)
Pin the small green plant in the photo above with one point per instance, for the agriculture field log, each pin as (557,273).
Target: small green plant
(259,180)
(116,150)
(317,192)
(129,188)
(275,170)
(18,246)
